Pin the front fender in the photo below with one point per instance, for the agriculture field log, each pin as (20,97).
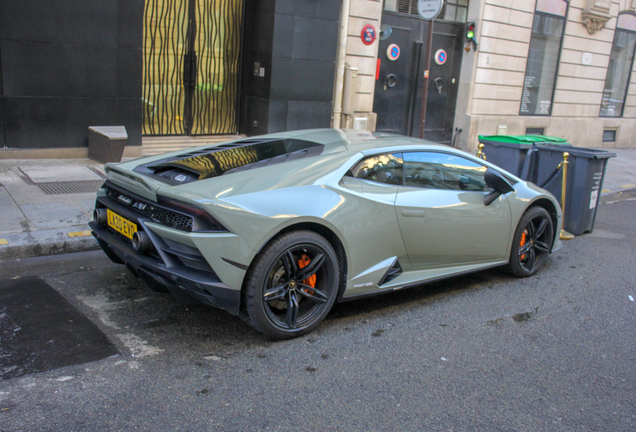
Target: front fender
(528,195)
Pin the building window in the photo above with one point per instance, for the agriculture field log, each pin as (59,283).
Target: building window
(535,131)
(543,57)
(452,10)
(609,135)
(620,67)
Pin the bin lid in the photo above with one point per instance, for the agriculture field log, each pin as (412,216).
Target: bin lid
(523,140)
(581,152)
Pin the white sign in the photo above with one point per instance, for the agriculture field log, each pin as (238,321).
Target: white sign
(586,59)
(429,9)
(593,199)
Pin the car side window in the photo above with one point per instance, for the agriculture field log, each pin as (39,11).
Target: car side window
(433,170)
(386,168)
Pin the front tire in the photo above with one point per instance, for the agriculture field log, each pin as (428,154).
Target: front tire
(291,285)
(532,242)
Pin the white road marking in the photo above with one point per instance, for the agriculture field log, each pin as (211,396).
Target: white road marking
(64,378)
(101,306)
(213,358)
(138,346)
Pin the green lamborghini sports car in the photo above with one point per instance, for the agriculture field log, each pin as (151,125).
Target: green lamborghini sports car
(277,228)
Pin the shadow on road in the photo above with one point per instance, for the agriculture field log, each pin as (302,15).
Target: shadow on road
(41,331)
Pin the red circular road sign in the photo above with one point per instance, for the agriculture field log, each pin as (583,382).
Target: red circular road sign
(368,34)
(441,57)
(393,52)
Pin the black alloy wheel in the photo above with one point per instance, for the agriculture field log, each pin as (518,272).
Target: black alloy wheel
(291,285)
(532,242)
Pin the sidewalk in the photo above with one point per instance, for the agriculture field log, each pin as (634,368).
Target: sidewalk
(46,204)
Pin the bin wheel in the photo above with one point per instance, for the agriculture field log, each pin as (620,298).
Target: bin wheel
(531,243)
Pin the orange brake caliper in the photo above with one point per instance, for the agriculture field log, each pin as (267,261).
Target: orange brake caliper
(304,261)
(521,243)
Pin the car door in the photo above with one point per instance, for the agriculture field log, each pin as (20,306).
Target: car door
(441,213)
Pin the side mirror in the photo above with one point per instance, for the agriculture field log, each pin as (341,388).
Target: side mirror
(497,182)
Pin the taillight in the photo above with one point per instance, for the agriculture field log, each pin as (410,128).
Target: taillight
(211,224)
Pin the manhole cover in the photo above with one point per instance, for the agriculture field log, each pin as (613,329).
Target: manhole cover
(59,188)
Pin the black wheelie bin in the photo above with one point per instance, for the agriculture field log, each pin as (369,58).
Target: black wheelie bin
(586,171)
(514,152)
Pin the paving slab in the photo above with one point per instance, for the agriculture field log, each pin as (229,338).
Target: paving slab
(34,223)
(51,215)
(621,172)
(58,173)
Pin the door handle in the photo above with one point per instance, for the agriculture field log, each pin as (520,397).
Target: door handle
(413,213)
(390,80)
(189,70)
(438,83)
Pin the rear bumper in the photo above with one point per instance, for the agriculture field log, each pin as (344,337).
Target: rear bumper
(184,282)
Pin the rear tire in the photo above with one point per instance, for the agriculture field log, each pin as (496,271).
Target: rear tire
(291,285)
(532,242)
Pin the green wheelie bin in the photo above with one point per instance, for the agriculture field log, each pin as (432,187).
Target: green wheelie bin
(514,153)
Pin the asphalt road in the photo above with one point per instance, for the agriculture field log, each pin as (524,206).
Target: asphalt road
(485,352)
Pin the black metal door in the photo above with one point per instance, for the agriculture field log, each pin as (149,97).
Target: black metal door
(191,67)
(395,100)
(399,106)
(443,82)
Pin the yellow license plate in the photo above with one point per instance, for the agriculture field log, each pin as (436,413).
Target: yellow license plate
(120,224)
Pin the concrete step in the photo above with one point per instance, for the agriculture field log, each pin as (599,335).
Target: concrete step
(157,145)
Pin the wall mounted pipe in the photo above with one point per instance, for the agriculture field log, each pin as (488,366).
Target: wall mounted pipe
(340,64)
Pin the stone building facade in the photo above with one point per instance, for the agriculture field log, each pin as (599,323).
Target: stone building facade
(553,67)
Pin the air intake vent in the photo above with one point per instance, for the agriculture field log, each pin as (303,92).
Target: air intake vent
(410,7)
(151,210)
(392,273)
(407,7)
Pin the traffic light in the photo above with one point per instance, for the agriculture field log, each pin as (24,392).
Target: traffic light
(470,36)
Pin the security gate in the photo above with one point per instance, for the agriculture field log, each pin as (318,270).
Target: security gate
(191,66)
(398,90)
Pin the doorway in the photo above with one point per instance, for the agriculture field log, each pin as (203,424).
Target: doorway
(399,87)
(191,66)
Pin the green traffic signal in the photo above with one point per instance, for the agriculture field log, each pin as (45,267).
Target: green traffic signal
(470,36)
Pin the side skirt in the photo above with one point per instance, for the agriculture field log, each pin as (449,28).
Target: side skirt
(421,282)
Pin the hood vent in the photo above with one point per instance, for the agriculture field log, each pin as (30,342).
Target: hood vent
(227,158)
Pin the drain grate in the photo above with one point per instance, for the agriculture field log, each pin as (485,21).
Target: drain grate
(59,188)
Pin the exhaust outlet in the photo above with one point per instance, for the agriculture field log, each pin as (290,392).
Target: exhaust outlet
(100,216)
(140,241)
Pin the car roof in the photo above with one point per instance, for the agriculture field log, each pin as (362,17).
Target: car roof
(341,149)
(337,140)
